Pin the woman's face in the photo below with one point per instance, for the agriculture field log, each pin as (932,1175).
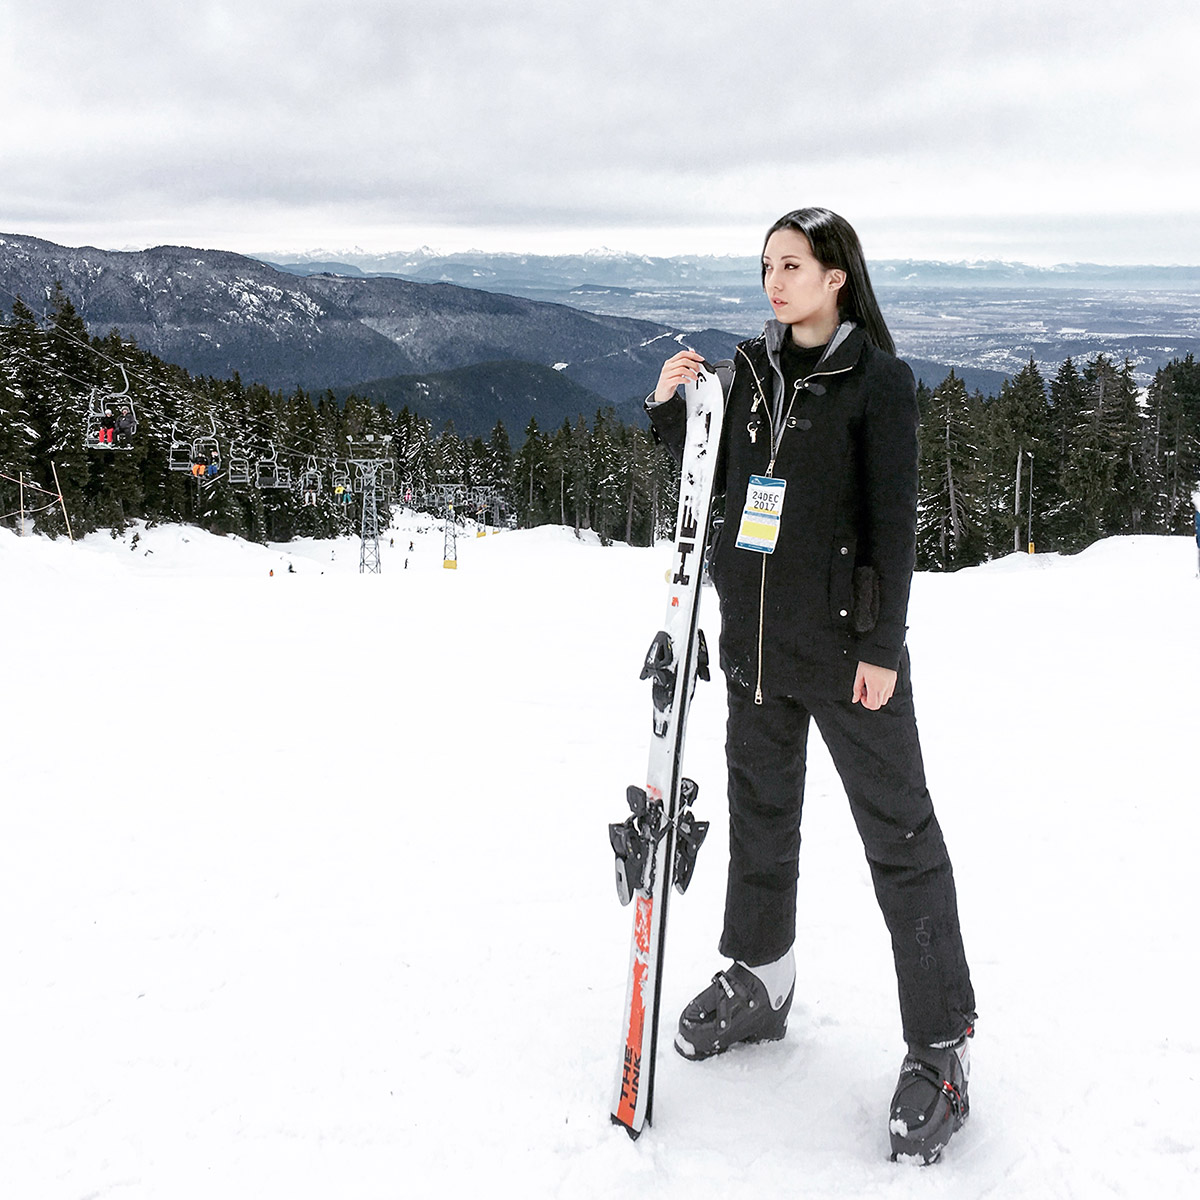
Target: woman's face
(801,291)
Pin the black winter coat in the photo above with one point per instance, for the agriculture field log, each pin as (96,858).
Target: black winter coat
(835,590)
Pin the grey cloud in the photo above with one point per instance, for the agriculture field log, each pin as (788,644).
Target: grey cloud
(618,114)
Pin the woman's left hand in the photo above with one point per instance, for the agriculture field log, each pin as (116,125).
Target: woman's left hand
(873,686)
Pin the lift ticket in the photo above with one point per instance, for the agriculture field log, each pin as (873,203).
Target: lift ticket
(759,529)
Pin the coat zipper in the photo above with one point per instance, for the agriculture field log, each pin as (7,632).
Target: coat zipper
(762,587)
(761,397)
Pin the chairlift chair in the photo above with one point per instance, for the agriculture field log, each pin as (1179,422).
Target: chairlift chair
(239,465)
(179,457)
(266,473)
(343,489)
(206,451)
(101,401)
(310,480)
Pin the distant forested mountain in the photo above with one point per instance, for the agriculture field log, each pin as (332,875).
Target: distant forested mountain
(474,398)
(217,313)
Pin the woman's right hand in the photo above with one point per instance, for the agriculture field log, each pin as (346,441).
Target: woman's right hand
(680,368)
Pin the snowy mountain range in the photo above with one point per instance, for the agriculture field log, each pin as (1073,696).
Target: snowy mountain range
(609,268)
(215,313)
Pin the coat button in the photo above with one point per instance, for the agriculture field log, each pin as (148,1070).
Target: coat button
(844,550)
(845,613)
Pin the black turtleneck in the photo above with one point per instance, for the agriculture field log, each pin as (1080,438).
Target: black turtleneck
(798,361)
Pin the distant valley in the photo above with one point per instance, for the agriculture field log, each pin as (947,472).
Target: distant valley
(984,319)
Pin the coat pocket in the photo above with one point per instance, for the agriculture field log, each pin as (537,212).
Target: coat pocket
(864,606)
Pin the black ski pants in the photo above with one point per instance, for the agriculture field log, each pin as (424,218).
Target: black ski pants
(878,756)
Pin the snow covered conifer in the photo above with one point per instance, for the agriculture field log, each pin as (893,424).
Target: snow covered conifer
(948,534)
(499,463)
(1173,443)
(531,467)
(18,435)
(1021,431)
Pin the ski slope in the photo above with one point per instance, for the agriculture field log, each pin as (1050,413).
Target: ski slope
(306,891)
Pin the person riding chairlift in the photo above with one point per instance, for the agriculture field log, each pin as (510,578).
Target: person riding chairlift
(125,425)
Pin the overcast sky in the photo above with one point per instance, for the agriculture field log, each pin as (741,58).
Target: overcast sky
(1036,130)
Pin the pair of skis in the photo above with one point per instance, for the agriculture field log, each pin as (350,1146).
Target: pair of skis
(656,846)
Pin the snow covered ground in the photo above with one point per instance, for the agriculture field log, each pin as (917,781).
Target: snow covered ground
(305,888)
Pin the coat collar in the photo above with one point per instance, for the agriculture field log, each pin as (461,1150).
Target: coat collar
(842,351)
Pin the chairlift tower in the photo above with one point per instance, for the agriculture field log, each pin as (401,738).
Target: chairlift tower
(369,458)
(450,541)
(480,501)
(447,492)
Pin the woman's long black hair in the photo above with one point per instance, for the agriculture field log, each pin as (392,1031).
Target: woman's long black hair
(835,244)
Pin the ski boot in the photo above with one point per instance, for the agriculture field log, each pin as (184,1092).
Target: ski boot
(734,1008)
(930,1102)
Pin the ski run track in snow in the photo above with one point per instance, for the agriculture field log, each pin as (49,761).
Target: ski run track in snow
(306,889)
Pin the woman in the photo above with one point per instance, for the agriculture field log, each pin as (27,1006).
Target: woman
(821,427)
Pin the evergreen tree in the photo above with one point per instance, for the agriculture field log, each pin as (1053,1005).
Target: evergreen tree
(604,488)
(1056,525)
(1066,408)
(499,469)
(450,457)
(1102,457)
(578,472)
(1172,454)
(948,519)
(414,454)
(558,464)
(637,459)
(1022,437)
(664,493)
(531,482)
(18,435)
(476,462)
(1129,498)
(64,403)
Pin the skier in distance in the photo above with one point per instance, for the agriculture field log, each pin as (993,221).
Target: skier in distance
(812,565)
